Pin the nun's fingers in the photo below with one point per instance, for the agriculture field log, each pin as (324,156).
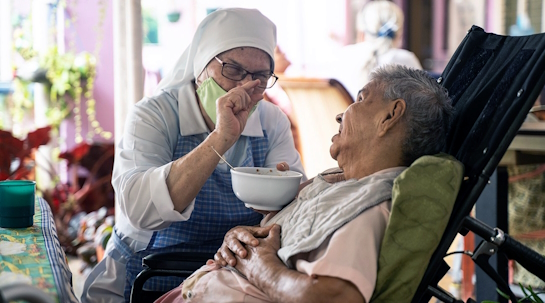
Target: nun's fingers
(283,166)
(248,94)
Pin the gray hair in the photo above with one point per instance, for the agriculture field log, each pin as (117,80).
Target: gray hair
(429,109)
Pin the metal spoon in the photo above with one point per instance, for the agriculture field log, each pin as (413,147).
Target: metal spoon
(221,157)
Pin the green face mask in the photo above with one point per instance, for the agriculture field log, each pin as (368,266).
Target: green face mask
(208,93)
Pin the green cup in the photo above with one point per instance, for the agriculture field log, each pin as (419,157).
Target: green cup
(17,203)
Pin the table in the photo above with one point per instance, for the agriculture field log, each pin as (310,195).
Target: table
(528,146)
(33,255)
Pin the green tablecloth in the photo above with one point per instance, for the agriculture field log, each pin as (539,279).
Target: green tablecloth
(33,255)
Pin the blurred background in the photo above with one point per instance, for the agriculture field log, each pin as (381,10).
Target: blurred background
(69,70)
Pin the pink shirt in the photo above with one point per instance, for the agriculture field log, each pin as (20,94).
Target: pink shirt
(351,254)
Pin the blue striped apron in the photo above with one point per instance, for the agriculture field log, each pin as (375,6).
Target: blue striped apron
(217,210)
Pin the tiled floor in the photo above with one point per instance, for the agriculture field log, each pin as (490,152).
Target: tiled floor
(78,278)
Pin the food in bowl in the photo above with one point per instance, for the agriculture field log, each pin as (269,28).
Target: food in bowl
(263,188)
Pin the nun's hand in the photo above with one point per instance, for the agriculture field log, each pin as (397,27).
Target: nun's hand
(234,108)
(283,166)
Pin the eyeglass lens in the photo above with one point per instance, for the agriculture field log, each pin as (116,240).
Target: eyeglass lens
(237,73)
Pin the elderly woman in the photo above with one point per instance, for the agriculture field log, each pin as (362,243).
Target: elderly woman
(331,233)
(172,193)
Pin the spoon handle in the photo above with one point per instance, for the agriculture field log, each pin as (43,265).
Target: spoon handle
(221,157)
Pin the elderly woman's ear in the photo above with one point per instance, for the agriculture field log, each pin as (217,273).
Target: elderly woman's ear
(393,117)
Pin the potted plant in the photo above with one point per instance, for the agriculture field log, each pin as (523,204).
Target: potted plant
(16,161)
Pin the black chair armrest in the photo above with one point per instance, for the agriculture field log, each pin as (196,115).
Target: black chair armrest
(173,264)
(177,260)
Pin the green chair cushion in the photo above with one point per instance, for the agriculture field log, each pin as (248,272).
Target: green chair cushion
(422,200)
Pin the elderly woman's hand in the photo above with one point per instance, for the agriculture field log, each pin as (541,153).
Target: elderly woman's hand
(262,256)
(234,108)
(234,240)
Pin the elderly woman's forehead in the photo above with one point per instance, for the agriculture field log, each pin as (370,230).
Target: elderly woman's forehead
(371,86)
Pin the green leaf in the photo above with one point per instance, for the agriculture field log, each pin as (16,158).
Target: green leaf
(535,297)
(530,294)
(502,293)
(526,294)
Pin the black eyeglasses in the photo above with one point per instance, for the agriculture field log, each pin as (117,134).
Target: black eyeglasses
(237,73)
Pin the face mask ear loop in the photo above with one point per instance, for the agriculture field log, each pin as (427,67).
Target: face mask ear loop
(206,71)
(207,76)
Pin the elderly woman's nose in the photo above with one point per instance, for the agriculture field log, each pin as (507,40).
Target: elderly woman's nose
(339,118)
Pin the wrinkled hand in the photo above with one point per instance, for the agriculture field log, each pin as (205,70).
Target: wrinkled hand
(283,166)
(262,257)
(234,107)
(237,240)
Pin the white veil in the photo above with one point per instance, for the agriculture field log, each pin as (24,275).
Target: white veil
(220,31)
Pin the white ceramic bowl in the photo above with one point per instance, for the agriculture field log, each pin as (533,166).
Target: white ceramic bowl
(265,188)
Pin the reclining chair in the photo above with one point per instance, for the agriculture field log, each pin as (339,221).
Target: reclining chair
(493,81)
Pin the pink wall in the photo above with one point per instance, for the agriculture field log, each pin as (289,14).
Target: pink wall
(84,37)
(440,54)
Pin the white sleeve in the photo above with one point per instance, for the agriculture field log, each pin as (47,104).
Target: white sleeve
(281,144)
(142,163)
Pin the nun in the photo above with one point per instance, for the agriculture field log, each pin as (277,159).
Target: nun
(173,192)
